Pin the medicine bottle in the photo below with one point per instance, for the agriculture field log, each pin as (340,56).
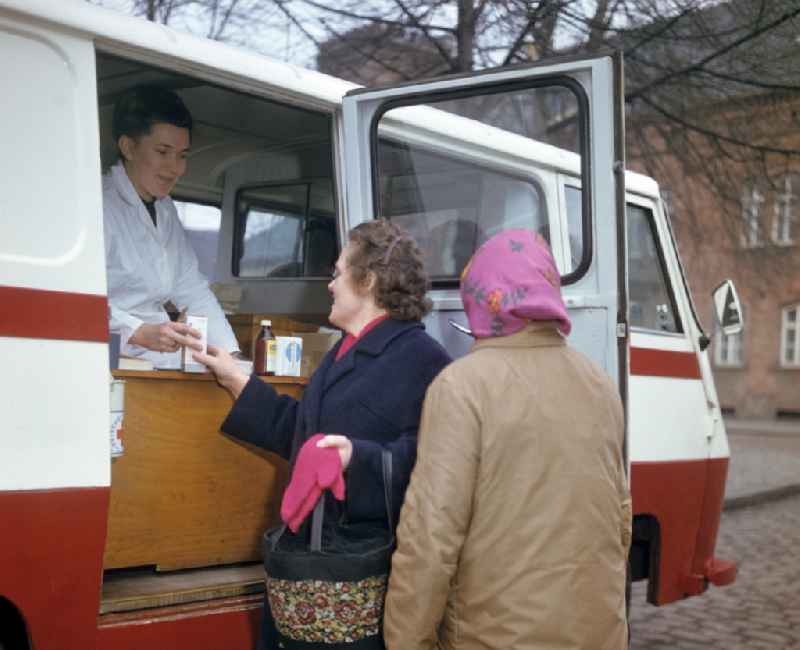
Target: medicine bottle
(266,350)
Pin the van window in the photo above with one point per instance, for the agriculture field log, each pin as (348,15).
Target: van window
(284,231)
(201,223)
(572,196)
(451,207)
(652,305)
(452,202)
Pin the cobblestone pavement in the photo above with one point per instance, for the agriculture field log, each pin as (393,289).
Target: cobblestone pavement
(760,611)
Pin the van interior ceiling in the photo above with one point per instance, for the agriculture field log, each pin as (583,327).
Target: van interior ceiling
(267,168)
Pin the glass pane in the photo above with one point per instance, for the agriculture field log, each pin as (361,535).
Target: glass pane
(281,236)
(722,349)
(650,300)
(451,199)
(736,349)
(575,225)
(546,114)
(201,224)
(791,315)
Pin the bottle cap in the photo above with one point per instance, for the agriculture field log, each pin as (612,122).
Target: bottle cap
(266,323)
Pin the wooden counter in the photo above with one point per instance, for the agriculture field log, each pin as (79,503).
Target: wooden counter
(183,494)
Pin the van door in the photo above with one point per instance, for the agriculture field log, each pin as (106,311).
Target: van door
(456,159)
(678,450)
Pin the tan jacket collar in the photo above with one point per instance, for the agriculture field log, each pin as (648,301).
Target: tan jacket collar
(539,334)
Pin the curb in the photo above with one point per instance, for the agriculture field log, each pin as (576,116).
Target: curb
(759,498)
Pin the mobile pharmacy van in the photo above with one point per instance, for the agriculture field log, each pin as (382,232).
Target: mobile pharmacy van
(159,547)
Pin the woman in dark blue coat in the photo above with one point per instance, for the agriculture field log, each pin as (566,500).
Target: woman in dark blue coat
(367,393)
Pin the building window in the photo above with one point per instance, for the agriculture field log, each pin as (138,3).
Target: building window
(752,200)
(790,339)
(728,351)
(785,201)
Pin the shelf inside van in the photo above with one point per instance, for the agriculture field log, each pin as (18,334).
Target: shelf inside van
(143,588)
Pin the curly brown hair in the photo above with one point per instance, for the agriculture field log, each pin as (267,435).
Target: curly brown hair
(389,252)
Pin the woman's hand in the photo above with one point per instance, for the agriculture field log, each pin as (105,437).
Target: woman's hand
(166,337)
(343,444)
(225,369)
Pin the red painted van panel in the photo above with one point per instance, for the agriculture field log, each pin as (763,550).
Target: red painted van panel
(51,562)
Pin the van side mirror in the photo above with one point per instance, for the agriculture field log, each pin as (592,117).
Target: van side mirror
(727,308)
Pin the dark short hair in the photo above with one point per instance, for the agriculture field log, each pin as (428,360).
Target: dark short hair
(389,252)
(141,107)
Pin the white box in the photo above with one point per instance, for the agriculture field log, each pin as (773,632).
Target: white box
(200,323)
(290,352)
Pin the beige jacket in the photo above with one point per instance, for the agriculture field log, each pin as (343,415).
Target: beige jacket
(516,525)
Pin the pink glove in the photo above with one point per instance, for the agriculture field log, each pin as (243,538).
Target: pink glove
(316,469)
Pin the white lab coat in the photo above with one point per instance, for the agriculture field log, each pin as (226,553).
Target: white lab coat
(146,266)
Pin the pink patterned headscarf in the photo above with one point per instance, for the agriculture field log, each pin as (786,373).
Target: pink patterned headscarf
(510,281)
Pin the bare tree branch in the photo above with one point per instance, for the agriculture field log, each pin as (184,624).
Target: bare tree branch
(699,65)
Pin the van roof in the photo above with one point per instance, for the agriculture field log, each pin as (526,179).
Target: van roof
(113,32)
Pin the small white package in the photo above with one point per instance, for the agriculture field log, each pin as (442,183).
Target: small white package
(200,323)
(117,403)
(290,352)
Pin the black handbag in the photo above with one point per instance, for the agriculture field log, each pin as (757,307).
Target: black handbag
(329,592)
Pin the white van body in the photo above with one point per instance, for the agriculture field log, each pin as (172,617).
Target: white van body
(63,65)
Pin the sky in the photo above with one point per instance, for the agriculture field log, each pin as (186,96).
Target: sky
(274,36)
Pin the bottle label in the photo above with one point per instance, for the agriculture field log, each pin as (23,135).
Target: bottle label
(271,356)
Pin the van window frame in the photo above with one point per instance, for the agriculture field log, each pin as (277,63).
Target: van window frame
(239,224)
(584,142)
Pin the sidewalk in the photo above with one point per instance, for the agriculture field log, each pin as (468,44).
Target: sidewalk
(765,461)
(787,427)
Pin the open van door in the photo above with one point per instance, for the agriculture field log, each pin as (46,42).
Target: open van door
(456,159)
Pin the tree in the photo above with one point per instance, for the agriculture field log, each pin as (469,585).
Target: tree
(700,74)
(240,22)
(712,88)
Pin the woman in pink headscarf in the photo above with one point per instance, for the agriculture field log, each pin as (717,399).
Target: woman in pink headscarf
(515,528)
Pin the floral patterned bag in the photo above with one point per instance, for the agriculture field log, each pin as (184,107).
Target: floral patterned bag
(329,593)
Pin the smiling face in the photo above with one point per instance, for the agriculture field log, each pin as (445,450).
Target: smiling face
(155,161)
(352,306)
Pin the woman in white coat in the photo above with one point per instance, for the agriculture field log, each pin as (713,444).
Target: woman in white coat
(149,261)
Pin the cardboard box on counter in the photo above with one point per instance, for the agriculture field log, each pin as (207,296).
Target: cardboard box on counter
(315,345)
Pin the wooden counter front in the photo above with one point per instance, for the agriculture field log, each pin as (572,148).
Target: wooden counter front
(183,494)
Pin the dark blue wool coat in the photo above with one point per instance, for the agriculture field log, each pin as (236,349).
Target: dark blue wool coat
(373,395)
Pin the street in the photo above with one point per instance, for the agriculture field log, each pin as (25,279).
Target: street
(761,610)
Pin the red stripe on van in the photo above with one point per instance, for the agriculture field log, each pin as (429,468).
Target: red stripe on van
(58,315)
(664,363)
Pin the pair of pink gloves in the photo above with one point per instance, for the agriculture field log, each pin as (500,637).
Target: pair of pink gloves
(316,469)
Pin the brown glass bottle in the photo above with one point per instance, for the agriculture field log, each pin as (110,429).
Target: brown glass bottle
(264,357)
